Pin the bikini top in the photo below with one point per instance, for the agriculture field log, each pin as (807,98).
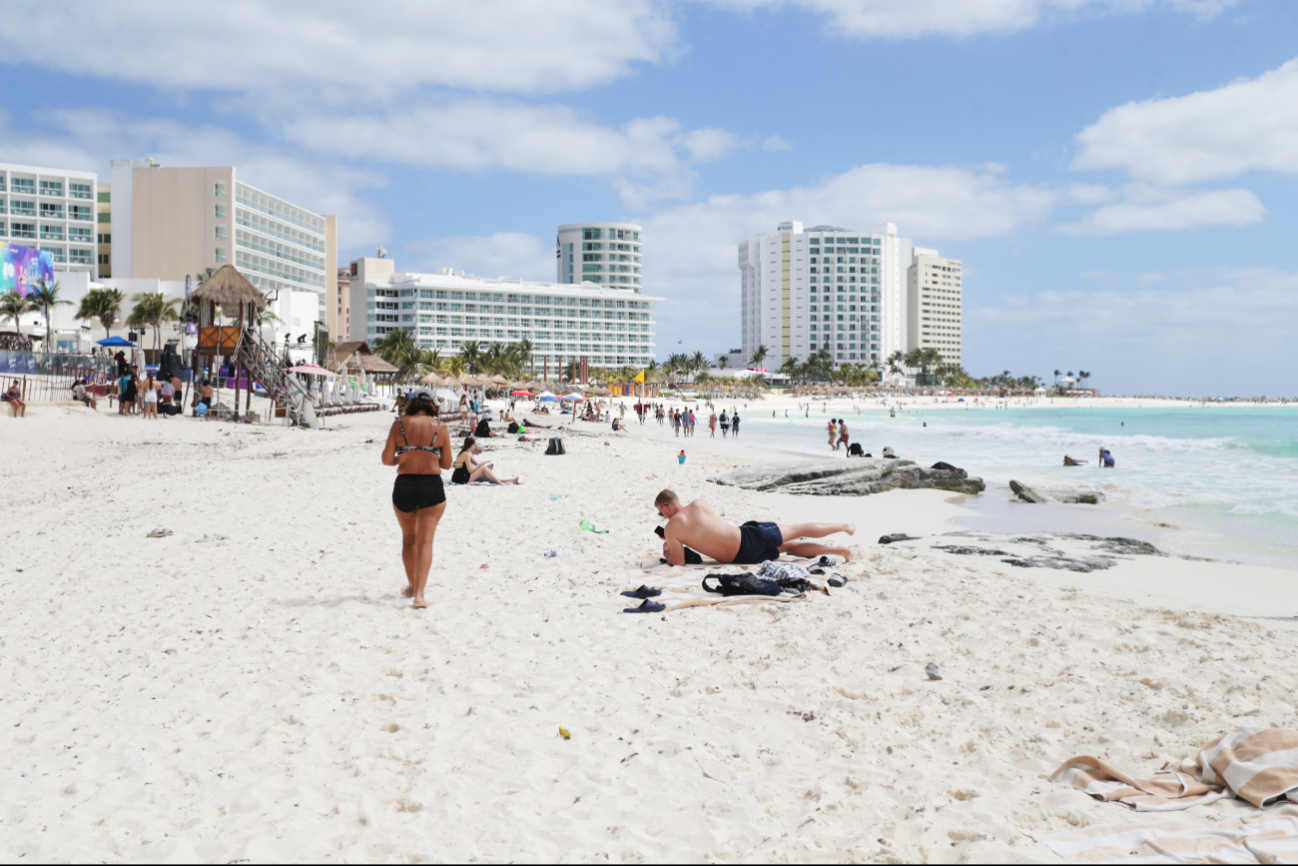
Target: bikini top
(402,449)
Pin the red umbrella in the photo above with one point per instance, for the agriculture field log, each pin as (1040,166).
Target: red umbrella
(522,394)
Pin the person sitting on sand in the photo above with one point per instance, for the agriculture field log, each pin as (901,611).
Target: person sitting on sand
(699,527)
(483,430)
(467,469)
(79,394)
(14,396)
(418,498)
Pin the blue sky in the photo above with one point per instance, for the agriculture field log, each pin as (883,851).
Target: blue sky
(1117,175)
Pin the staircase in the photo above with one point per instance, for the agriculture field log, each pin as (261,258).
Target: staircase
(258,358)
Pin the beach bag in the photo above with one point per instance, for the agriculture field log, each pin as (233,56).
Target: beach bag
(555,447)
(742,584)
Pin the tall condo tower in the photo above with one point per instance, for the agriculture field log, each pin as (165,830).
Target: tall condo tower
(824,287)
(604,253)
(934,304)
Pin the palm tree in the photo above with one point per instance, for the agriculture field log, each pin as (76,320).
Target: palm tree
(12,306)
(46,297)
(722,362)
(150,311)
(398,348)
(895,361)
(471,355)
(1082,376)
(102,304)
(455,366)
(759,355)
(526,350)
(698,362)
(1056,377)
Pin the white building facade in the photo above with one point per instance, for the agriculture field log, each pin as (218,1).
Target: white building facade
(824,287)
(53,210)
(935,304)
(611,327)
(603,253)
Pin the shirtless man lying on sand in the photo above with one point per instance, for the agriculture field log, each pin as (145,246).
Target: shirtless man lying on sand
(699,526)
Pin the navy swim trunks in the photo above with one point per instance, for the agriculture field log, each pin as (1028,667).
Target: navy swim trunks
(758,543)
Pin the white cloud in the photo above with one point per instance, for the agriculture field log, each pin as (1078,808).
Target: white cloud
(1248,125)
(1181,337)
(89,138)
(908,19)
(1162,210)
(776,143)
(503,254)
(333,48)
(647,159)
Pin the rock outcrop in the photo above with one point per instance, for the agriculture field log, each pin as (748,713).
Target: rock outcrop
(854,477)
(1027,494)
(1067,551)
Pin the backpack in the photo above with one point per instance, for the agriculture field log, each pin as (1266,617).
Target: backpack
(555,447)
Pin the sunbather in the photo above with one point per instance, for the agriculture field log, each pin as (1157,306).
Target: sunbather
(467,469)
(698,526)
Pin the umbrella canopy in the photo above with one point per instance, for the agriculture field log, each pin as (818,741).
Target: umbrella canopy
(545,394)
(115,341)
(448,396)
(575,396)
(521,394)
(312,370)
(433,379)
(547,398)
(498,380)
(228,288)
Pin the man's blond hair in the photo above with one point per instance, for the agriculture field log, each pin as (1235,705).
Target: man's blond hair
(665,497)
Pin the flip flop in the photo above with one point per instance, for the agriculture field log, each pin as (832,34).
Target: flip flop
(642,592)
(646,606)
(837,580)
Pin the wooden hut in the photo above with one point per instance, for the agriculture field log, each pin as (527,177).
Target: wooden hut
(237,299)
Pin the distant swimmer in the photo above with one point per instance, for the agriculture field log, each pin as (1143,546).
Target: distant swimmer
(1068,461)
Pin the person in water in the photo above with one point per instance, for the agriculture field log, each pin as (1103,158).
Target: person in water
(419,445)
(698,526)
(1068,461)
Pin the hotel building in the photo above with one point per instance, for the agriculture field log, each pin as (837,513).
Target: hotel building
(935,304)
(167,223)
(50,209)
(824,287)
(612,327)
(604,253)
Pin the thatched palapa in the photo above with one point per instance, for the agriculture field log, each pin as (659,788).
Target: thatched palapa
(348,357)
(227,288)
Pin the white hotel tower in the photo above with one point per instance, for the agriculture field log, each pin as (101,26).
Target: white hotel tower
(604,253)
(824,287)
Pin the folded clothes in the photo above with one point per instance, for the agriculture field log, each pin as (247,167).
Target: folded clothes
(782,571)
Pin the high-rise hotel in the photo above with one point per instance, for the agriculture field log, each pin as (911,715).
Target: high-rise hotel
(51,209)
(604,253)
(935,304)
(823,287)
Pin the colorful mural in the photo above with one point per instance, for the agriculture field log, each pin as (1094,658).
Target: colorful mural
(22,267)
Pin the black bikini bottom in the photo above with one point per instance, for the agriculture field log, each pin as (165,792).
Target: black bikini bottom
(413,492)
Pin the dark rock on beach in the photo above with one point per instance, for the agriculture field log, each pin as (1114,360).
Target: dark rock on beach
(1067,551)
(897,536)
(856,477)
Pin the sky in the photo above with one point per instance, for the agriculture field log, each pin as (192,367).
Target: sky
(1119,177)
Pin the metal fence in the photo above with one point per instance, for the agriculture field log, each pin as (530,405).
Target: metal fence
(48,377)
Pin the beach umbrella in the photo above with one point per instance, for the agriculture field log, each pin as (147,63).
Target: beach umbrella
(521,394)
(575,396)
(312,370)
(547,398)
(115,341)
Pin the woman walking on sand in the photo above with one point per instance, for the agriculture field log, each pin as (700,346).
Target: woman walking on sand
(419,445)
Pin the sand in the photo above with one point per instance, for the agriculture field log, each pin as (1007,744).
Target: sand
(252,686)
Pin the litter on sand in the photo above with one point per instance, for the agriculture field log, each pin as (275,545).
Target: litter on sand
(563,732)
(590,527)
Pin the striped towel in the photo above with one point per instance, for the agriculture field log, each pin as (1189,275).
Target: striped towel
(1254,764)
(1270,837)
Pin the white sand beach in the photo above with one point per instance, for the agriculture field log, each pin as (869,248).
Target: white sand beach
(253,685)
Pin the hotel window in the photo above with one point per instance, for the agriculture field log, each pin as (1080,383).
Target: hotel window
(79,190)
(219,211)
(220,256)
(222,234)
(218,189)
(52,187)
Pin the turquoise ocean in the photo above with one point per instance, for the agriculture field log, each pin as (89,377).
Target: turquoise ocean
(1225,478)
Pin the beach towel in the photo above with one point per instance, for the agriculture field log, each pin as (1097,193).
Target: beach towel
(684,588)
(1264,837)
(1254,764)
(656,564)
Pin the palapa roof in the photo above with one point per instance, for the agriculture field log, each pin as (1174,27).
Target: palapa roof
(227,288)
(357,354)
